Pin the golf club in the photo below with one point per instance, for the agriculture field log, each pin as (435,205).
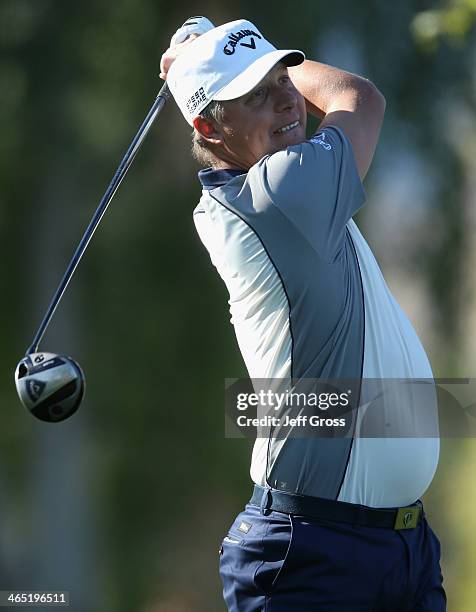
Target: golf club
(51,386)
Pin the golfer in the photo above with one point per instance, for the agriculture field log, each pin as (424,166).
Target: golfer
(333,524)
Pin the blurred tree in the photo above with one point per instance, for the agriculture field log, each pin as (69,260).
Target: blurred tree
(436,31)
(452,21)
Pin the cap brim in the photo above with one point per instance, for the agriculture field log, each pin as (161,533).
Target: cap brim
(250,77)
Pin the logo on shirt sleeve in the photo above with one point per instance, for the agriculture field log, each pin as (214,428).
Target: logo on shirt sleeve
(321,139)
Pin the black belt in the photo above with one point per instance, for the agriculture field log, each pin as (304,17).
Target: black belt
(407,517)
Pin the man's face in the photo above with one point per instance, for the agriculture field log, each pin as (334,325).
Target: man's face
(269,118)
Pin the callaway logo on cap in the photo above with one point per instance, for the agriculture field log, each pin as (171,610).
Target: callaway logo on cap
(223,64)
(234,39)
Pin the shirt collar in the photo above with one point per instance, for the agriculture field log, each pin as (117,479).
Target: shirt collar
(211,178)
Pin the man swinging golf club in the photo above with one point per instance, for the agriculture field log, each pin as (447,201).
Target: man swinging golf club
(332,524)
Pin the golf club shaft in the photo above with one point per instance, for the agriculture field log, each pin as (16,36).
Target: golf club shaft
(121,171)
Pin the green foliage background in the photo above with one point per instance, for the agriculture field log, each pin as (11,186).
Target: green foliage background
(125,504)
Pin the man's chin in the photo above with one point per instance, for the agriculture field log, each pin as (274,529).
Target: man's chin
(288,139)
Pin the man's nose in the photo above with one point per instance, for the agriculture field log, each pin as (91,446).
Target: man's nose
(285,100)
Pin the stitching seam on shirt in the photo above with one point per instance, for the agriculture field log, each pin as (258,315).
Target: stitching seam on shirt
(287,299)
(362,365)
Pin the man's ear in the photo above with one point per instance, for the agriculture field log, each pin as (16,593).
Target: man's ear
(207,129)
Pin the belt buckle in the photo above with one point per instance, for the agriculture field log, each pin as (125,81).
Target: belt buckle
(407,518)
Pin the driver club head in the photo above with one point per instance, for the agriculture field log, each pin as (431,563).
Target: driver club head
(50,386)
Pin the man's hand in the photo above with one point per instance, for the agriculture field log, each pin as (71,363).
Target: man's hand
(172,53)
(191,29)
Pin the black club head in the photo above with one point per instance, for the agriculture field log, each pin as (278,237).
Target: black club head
(50,386)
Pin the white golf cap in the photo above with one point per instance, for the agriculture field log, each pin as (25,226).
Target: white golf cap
(223,64)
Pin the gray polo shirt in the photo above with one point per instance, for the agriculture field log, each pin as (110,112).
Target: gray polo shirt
(308,300)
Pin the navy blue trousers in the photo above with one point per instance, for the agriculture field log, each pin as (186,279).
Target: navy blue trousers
(282,563)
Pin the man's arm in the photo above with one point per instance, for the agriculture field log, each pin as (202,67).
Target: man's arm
(347,101)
